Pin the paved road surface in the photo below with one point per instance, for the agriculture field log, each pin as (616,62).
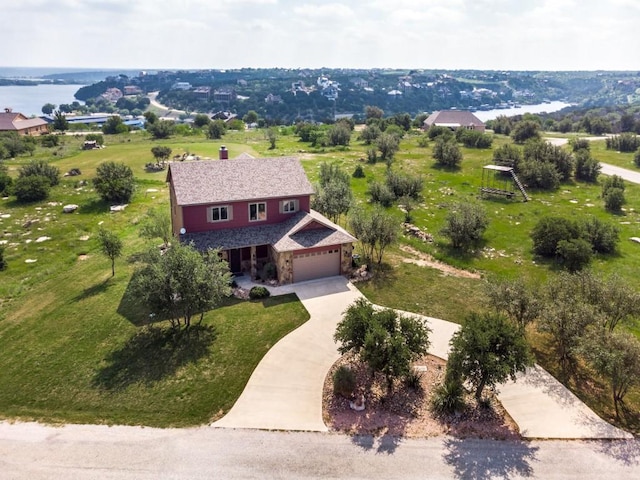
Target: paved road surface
(34,452)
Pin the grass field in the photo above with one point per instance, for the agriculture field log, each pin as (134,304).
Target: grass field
(75,348)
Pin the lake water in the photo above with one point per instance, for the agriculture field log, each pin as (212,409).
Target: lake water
(29,100)
(550,107)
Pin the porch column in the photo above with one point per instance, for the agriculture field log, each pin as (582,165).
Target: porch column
(254,267)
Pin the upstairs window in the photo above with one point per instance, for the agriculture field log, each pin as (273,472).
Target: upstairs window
(289,206)
(221,213)
(257,212)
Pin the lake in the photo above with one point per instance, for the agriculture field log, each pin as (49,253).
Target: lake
(550,107)
(29,100)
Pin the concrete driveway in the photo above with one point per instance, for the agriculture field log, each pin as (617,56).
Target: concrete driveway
(285,390)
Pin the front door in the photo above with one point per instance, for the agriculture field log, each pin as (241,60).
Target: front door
(235,263)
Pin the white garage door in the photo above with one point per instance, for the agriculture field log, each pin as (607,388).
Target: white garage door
(307,266)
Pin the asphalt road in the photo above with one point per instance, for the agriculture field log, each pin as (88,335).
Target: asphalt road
(33,452)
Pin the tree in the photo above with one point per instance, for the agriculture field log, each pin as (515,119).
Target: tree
(375,229)
(373,112)
(250,117)
(465,225)
(157,224)
(150,117)
(32,188)
(488,350)
(549,231)
(216,130)
(114,125)
(565,318)
(272,136)
(114,182)
(339,134)
(387,342)
(110,246)
(60,121)
(520,302)
(41,168)
(587,167)
(508,155)
(388,145)
(48,108)
(201,120)
(182,283)
(615,356)
(369,134)
(5,180)
(162,129)
(447,153)
(333,193)
(525,130)
(3,261)
(161,153)
(614,199)
(575,253)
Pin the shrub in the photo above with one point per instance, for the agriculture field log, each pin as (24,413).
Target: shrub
(614,199)
(413,380)
(587,167)
(423,141)
(369,134)
(381,194)
(602,236)
(344,382)
(32,188)
(447,398)
(576,253)
(636,158)
(551,230)
(465,225)
(339,134)
(508,155)
(447,153)
(259,292)
(114,182)
(50,140)
(540,175)
(42,169)
(372,155)
(5,180)
(525,130)
(404,185)
(474,138)
(216,129)
(358,172)
(439,132)
(614,181)
(269,271)
(540,151)
(625,142)
(578,143)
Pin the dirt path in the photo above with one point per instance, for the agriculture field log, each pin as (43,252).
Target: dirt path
(425,260)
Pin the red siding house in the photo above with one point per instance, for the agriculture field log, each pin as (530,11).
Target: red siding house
(257,211)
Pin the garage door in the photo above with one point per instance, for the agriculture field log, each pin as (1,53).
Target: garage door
(307,266)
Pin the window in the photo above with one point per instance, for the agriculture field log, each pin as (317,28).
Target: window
(220,214)
(257,212)
(289,206)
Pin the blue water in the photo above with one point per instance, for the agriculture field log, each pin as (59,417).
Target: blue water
(550,107)
(29,100)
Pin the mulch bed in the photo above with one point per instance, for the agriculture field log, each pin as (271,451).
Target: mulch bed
(405,412)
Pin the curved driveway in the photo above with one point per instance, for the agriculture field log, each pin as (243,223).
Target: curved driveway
(285,390)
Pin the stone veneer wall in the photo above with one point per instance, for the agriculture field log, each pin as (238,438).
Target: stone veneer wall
(284,264)
(345,261)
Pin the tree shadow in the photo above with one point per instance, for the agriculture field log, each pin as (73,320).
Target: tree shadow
(131,308)
(94,206)
(384,444)
(383,274)
(488,459)
(152,354)
(626,452)
(97,289)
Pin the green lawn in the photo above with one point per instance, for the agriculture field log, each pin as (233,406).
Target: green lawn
(74,347)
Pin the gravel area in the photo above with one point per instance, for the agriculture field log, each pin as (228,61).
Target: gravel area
(406,411)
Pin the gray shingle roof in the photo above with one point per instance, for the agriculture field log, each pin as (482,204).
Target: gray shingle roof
(215,181)
(459,117)
(284,237)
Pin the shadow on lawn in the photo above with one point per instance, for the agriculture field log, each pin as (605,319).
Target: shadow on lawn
(152,354)
(97,289)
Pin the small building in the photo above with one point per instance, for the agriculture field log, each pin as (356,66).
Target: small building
(271,98)
(181,86)
(132,90)
(11,121)
(454,119)
(224,95)
(202,93)
(257,211)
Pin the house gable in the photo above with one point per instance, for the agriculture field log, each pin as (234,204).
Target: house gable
(454,119)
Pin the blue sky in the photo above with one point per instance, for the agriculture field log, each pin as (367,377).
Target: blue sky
(449,34)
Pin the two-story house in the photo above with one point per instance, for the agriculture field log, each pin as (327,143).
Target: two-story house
(257,211)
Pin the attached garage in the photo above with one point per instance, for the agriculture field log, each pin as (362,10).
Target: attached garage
(316,264)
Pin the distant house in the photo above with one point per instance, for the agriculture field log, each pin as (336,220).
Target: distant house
(11,121)
(224,116)
(132,90)
(224,95)
(271,98)
(454,119)
(257,211)
(202,92)
(181,86)
(112,95)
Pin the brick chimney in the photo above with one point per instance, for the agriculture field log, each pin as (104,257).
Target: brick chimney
(223,153)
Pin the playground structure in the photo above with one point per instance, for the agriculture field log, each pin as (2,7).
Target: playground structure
(501,180)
